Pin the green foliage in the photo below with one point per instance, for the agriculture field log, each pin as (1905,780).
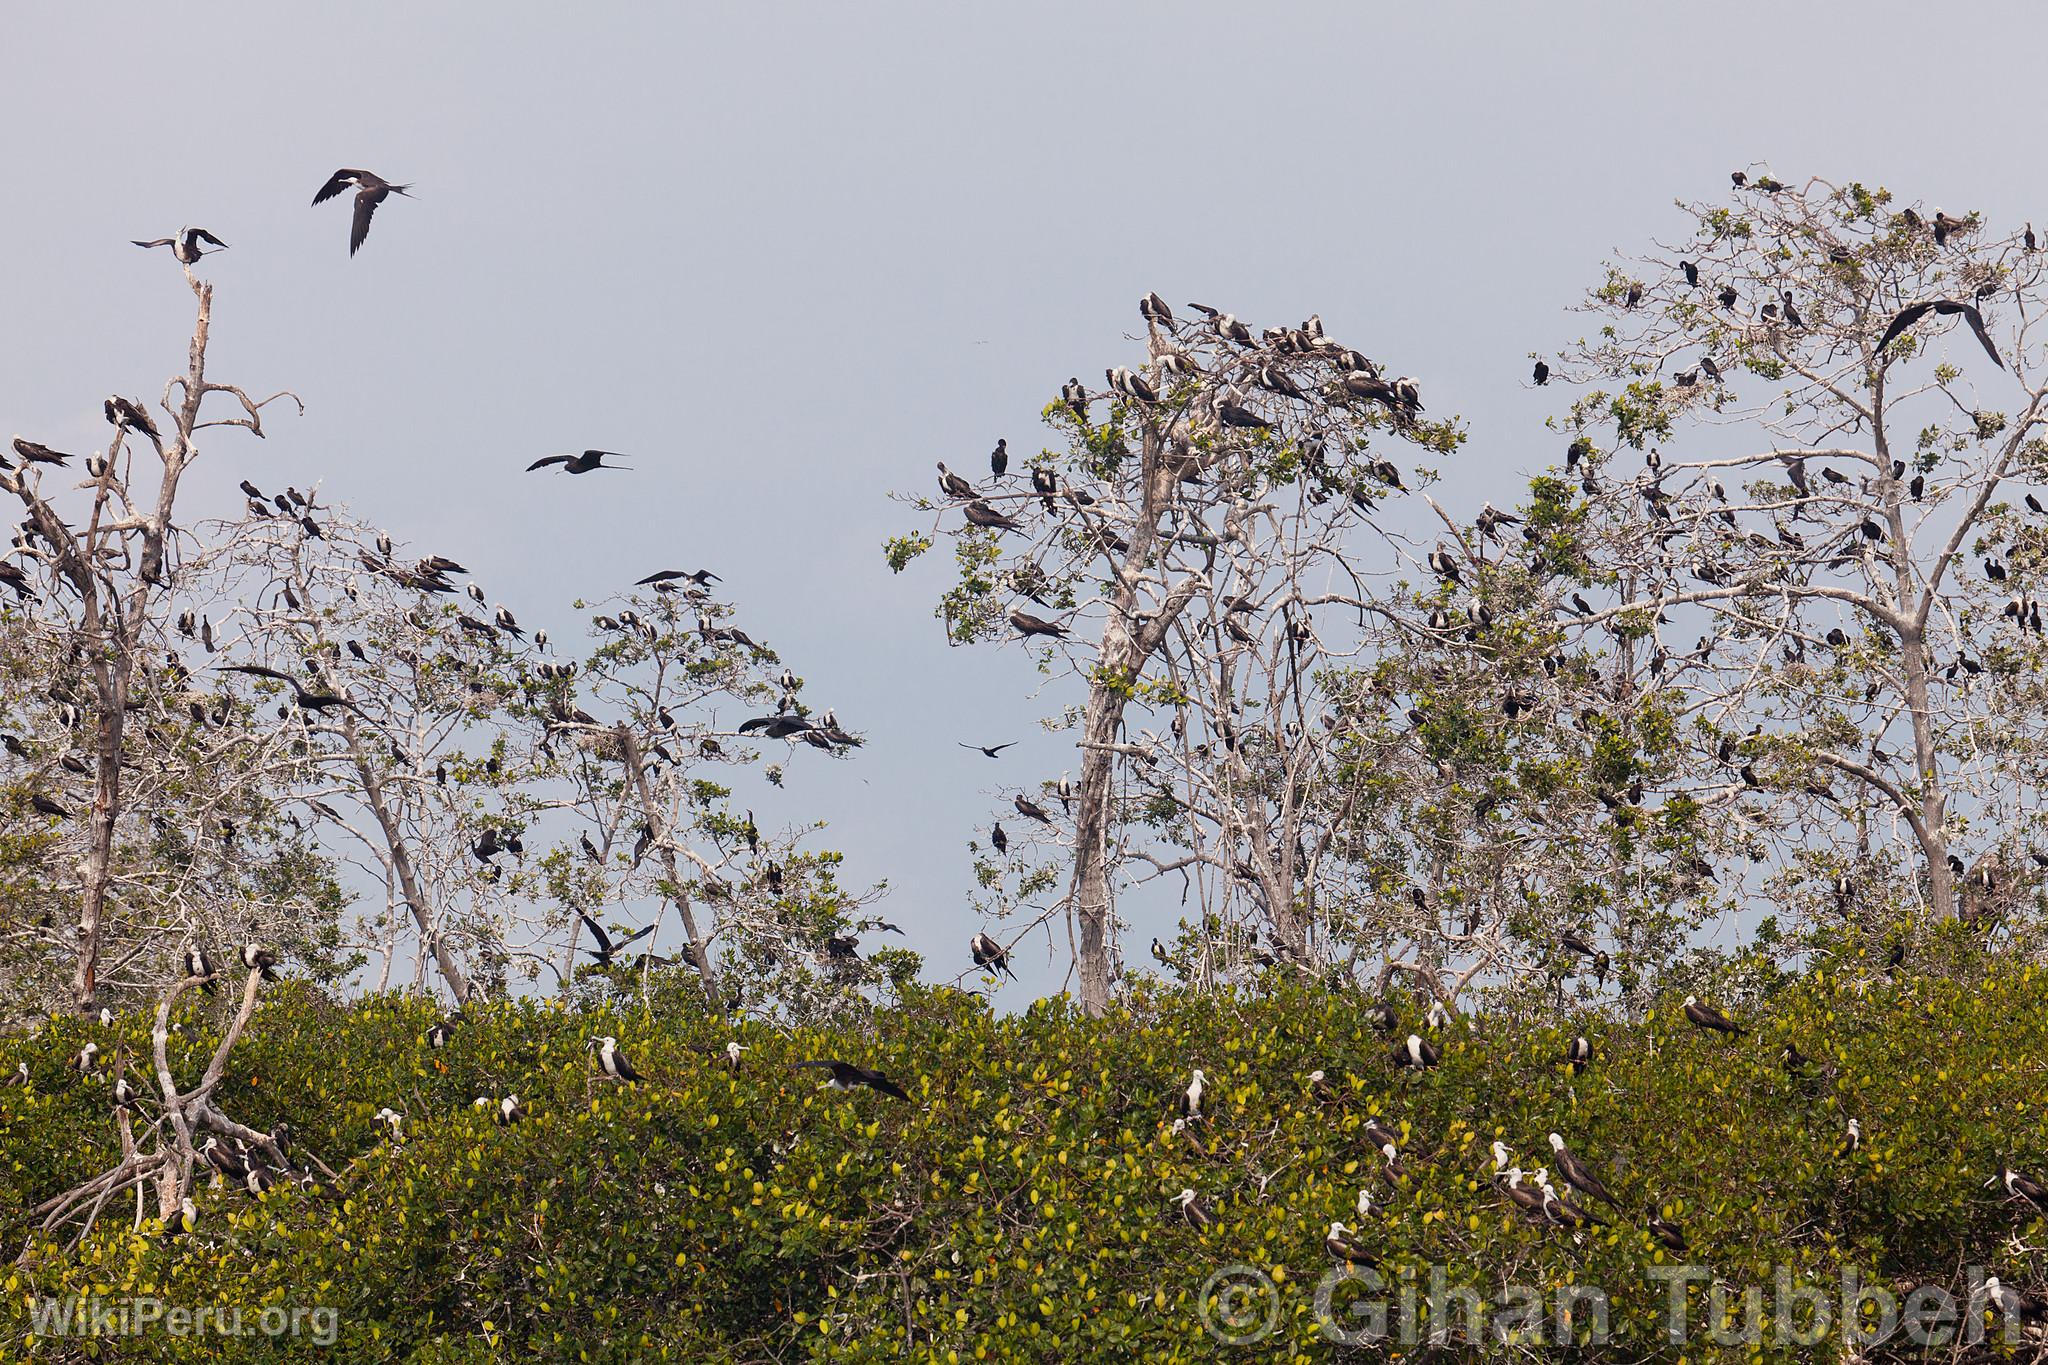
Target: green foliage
(1020,1206)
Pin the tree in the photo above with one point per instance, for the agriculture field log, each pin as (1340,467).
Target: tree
(1222,487)
(1851,539)
(95,579)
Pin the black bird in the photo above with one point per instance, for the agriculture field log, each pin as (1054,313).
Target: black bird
(1692,273)
(845,1076)
(1579,1054)
(580,464)
(2019,1187)
(999,458)
(185,246)
(1541,373)
(37,453)
(980,514)
(777,727)
(998,838)
(43,805)
(989,953)
(1913,312)
(1028,625)
(1031,810)
(127,413)
(612,1061)
(1578,1175)
(1727,296)
(199,967)
(1707,1017)
(258,958)
(1338,1242)
(370,192)
(606,945)
(311,701)
(991,750)
(702,578)
(1417,1053)
(1667,1232)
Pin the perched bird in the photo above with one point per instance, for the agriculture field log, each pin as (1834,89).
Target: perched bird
(2014,1304)
(1031,810)
(952,484)
(612,1061)
(2016,1186)
(989,953)
(394,1125)
(185,247)
(1192,1211)
(128,414)
(999,458)
(846,1076)
(979,513)
(1342,1247)
(184,1220)
(1191,1098)
(1578,1175)
(1417,1053)
(1707,1017)
(1579,1054)
(439,1034)
(1028,625)
(199,967)
(1541,374)
(35,452)
(1667,1232)
(580,464)
(998,838)
(370,192)
(1852,1137)
(1152,308)
(258,958)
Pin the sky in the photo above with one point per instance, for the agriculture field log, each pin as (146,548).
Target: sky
(788,256)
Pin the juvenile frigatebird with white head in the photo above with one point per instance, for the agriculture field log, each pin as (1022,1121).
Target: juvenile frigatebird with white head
(612,1061)
(1578,1175)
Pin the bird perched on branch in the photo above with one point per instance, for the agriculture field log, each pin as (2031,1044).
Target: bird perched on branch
(989,953)
(370,192)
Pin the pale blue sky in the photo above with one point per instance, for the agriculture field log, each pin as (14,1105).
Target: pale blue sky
(788,256)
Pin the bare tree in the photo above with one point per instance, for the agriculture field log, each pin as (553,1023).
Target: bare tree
(100,579)
(1231,466)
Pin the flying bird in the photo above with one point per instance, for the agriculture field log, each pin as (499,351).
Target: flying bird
(1913,312)
(580,464)
(311,701)
(992,750)
(185,247)
(370,192)
(846,1076)
(606,945)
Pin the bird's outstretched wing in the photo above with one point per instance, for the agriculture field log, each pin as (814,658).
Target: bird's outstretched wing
(548,460)
(161,241)
(605,946)
(1976,321)
(877,1081)
(259,671)
(336,183)
(366,208)
(203,235)
(1905,318)
(665,576)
